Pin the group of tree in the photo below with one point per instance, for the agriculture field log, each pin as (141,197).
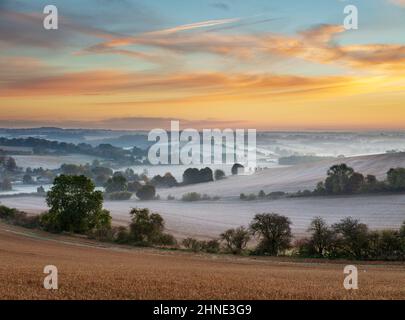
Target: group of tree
(342,179)
(347,239)
(353,240)
(194,175)
(104,151)
(195,196)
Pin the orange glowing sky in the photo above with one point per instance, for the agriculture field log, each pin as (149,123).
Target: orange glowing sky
(289,66)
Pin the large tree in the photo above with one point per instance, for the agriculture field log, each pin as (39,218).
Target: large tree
(75,206)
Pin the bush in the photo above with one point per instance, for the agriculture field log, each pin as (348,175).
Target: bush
(212,246)
(190,197)
(237,168)
(147,192)
(273,231)
(170,197)
(236,239)
(192,244)
(118,196)
(261,194)
(219,174)
(276,195)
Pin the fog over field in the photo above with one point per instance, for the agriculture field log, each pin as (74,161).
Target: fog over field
(367,153)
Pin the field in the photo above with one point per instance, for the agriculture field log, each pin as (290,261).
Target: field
(207,219)
(90,270)
(51,162)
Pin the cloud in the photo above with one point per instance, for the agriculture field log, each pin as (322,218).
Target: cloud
(398,2)
(197,86)
(221,5)
(127,123)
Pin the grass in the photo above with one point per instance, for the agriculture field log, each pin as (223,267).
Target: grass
(90,270)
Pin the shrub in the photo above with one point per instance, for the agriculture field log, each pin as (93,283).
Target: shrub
(236,239)
(190,197)
(237,168)
(147,192)
(170,197)
(273,231)
(276,195)
(211,246)
(192,244)
(219,174)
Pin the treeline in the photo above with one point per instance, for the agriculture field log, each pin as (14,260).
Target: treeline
(342,180)
(105,151)
(347,239)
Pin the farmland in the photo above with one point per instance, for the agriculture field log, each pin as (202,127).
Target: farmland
(89,270)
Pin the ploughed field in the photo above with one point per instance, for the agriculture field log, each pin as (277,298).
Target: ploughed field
(90,270)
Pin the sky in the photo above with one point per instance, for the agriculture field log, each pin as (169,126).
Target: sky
(262,64)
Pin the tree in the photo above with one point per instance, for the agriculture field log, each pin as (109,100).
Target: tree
(396,179)
(134,186)
(41,190)
(6,185)
(273,231)
(75,206)
(236,239)
(167,181)
(147,192)
(352,237)
(147,227)
(237,168)
(355,183)
(11,165)
(338,179)
(219,174)
(27,179)
(193,175)
(322,237)
(117,183)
